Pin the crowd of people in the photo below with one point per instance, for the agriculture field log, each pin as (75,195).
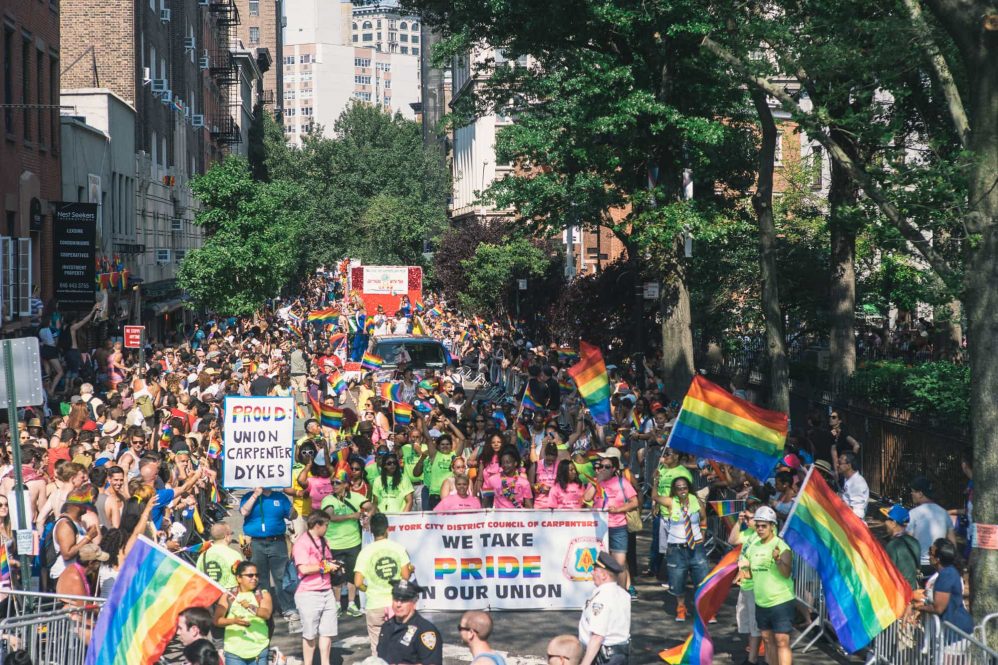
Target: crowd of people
(122,449)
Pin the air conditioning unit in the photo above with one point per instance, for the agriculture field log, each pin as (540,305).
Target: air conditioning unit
(204,62)
(146,76)
(189,44)
(164,15)
(176,224)
(160,86)
(166,98)
(197,120)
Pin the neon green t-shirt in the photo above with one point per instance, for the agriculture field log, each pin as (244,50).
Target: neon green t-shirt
(665,478)
(246,641)
(381,563)
(437,470)
(747,538)
(346,534)
(216,562)
(771,588)
(391,499)
(409,459)
(586,472)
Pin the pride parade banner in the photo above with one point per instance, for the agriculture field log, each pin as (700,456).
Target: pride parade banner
(259,435)
(502,559)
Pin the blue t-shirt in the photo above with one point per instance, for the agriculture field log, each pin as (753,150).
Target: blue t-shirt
(267,516)
(949,581)
(165,499)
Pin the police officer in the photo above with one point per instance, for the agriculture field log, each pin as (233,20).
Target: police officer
(409,638)
(605,626)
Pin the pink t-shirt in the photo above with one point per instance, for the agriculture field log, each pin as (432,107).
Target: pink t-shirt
(617,492)
(490,472)
(304,552)
(566,499)
(453,501)
(318,489)
(544,476)
(509,492)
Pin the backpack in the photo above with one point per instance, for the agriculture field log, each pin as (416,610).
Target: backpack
(146,407)
(49,555)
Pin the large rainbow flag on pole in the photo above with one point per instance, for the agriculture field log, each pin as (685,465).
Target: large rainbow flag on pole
(715,424)
(698,649)
(328,416)
(864,591)
(327,315)
(592,382)
(140,616)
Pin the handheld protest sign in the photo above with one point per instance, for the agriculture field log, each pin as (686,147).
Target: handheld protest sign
(259,440)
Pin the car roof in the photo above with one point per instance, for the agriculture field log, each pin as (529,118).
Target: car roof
(421,339)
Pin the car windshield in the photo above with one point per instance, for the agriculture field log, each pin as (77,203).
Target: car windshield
(420,354)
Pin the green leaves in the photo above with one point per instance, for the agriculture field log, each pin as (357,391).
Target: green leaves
(493,269)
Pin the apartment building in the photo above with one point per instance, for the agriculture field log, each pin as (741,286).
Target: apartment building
(384,28)
(261,27)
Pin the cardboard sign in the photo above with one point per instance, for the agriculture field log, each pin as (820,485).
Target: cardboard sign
(258,444)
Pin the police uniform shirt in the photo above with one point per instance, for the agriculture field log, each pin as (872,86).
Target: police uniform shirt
(607,613)
(415,641)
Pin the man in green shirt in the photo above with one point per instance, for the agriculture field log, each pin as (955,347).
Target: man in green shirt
(902,547)
(346,510)
(379,565)
(217,561)
(410,452)
(443,449)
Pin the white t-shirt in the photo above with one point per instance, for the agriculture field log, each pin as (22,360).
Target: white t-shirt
(857,494)
(928,523)
(607,613)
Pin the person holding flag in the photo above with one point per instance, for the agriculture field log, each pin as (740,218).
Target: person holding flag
(681,539)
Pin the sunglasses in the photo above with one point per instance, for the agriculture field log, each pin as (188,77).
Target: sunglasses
(251,575)
(461,628)
(606,466)
(356,468)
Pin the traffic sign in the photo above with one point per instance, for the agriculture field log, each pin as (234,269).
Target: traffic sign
(26,368)
(133,336)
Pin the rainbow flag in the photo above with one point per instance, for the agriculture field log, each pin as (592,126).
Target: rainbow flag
(436,311)
(463,337)
(371,361)
(214,448)
(499,417)
(391,392)
(198,548)
(728,508)
(336,340)
(698,649)
(863,589)
(715,424)
(403,413)
(635,420)
(340,457)
(140,617)
(529,403)
(213,494)
(328,416)
(591,380)
(5,580)
(419,307)
(337,383)
(328,315)
(566,386)
(567,356)
(522,437)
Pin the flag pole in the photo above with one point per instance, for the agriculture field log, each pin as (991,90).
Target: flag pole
(800,493)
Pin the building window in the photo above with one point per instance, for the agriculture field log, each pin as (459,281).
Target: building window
(415,51)
(39,88)
(289,111)
(354,26)
(289,94)
(415,27)
(403,26)
(367,25)
(388,84)
(355,38)
(415,39)
(289,60)
(778,154)
(254,35)
(404,50)
(362,62)
(305,58)
(254,7)
(379,36)
(363,96)
(368,37)
(54,95)
(379,22)
(306,110)
(26,86)
(306,93)
(403,37)
(362,80)
(8,79)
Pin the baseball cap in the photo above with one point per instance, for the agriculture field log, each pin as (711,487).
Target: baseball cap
(765,514)
(92,552)
(897,512)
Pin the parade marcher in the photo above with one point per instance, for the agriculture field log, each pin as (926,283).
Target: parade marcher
(681,540)
(461,498)
(245,618)
(346,511)
(264,512)
(314,598)
(391,490)
(615,495)
(407,638)
(743,533)
(201,652)
(379,565)
(475,628)
(510,489)
(218,561)
(668,470)
(605,626)
(769,562)
(902,547)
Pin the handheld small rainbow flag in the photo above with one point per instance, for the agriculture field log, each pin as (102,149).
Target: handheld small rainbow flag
(568,356)
(529,403)
(214,448)
(698,649)
(436,311)
(727,508)
(328,416)
(328,315)
(198,548)
(337,383)
(715,424)
(522,437)
(419,307)
(336,340)
(371,361)
(5,580)
(140,617)
(592,381)
(403,413)
(635,420)
(390,391)
(566,386)
(213,494)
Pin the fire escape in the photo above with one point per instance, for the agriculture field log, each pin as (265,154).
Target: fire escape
(223,128)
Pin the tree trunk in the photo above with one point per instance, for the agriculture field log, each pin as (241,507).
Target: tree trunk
(776,344)
(842,197)
(677,329)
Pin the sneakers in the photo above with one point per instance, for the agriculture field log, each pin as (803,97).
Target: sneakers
(631,590)
(681,613)
(354,611)
(294,623)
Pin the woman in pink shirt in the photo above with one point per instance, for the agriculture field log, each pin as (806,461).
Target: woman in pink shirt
(511,488)
(461,498)
(542,476)
(487,460)
(566,492)
(314,597)
(314,479)
(614,494)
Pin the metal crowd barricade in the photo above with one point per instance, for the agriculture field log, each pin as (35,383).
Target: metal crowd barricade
(907,641)
(807,588)
(54,629)
(956,647)
(985,627)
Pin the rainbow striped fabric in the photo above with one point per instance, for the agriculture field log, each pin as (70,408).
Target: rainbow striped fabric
(727,508)
(140,616)
(5,580)
(336,382)
(391,392)
(214,448)
(371,361)
(328,416)
(567,355)
(863,588)
(522,438)
(403,413)
(419,306)
(336,340)
(566,386)
(698,649)
(591,380)
(198,548)
(328,315)
(715,424)
(436,311)
(635,420)
(529,402)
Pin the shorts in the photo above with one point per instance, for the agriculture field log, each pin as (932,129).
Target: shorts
(745,614)
(48,352)
(348,558)
(778,618)
(317,610)
(617,539)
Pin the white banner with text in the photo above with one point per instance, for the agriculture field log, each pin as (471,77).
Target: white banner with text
(259,439)
(502,559)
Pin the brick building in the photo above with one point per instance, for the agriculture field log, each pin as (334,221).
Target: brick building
(29,154)
(261,26)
